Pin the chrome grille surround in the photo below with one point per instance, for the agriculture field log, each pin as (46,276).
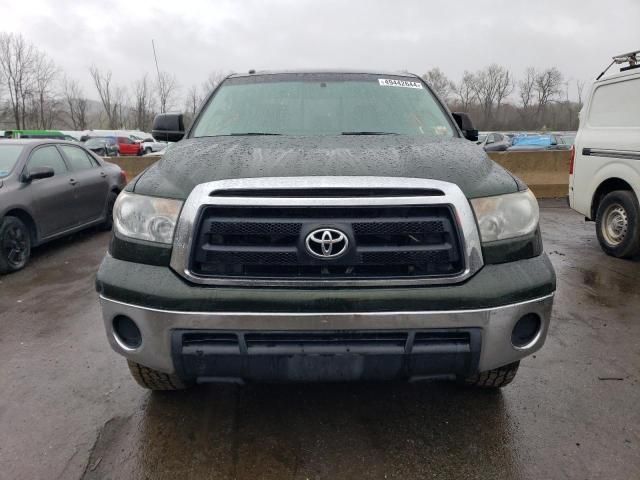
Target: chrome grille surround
(204,195)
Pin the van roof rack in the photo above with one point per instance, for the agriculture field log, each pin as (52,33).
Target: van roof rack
(631,58)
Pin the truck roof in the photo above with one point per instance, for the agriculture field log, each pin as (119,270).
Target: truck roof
(323,71)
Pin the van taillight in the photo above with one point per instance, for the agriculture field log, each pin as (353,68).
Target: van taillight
(572,159)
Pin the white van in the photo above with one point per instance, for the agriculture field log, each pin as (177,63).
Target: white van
(604,182)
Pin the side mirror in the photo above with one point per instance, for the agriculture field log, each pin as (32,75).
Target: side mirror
(168,127)
(38,173)
(466,125)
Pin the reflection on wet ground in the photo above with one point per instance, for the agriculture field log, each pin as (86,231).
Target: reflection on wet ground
(313,431)
(69,410)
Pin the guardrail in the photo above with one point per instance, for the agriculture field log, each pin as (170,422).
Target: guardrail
(546,172)
(133,165)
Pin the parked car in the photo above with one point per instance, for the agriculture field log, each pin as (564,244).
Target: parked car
(129,146)
(103,146)
(324,226)
(496,142)
(604,182)
(550,141)
(567,139)
(49,189)
(50,134)
(159,153)
(151,145)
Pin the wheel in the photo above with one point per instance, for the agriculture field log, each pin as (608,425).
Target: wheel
(153,379)
(496,378)
(618,224)
(15,244)
(108,221)
(147,150)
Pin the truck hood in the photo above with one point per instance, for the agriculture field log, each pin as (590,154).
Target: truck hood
(199,160)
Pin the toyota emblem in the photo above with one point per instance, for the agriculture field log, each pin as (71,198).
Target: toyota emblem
(326,243)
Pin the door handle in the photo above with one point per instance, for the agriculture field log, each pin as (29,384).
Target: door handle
(102,174)
(73,181)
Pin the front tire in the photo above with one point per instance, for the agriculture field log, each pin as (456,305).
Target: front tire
(108,221)
(15,244)
(618,224)
(147,151)
(496,378)
(154,380)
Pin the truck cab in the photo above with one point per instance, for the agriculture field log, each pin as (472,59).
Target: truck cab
(604,182)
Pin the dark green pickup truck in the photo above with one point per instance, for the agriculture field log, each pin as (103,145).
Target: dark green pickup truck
(324,226)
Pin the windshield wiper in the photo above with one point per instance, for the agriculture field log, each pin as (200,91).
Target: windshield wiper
(369,133)
(252,134)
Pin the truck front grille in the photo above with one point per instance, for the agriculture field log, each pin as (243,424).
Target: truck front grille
(384,242)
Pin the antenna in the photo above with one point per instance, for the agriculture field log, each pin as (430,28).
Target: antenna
(153,45)
(632,58)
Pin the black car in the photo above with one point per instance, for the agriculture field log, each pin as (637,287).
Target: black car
(103,146)
(50,188)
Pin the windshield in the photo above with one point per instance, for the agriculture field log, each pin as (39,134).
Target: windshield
(8,157)
(323,104)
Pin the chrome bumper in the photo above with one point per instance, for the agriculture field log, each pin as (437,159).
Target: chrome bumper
(496,324)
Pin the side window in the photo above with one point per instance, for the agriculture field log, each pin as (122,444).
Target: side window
(124,140)
(78,159)
(616,105)
(47,157)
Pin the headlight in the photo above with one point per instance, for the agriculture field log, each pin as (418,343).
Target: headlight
(506,216)
(146,218)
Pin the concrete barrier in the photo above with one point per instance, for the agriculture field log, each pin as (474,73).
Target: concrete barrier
(133,165)
(546,172)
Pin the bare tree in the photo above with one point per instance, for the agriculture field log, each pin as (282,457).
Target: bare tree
(504,86)
(76,103)
(143,103)
(167,87)
(17,59)
(579,90)
(110,96)
(213,80)
(45,73)
(192,103)
(526,88)
(547,87)
(465,90)
(120,106)
(439,82)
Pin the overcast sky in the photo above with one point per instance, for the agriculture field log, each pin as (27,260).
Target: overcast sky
(195,37)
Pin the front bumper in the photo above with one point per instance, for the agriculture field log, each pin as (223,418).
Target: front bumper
(488,331)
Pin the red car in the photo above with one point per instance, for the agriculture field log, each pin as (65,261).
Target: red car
(128,146)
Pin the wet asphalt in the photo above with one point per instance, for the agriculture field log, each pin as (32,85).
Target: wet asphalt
(68,409)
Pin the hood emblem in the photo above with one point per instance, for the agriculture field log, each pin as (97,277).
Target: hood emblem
(326,243)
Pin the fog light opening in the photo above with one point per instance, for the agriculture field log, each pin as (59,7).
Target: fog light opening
(526,330)
(127,332)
